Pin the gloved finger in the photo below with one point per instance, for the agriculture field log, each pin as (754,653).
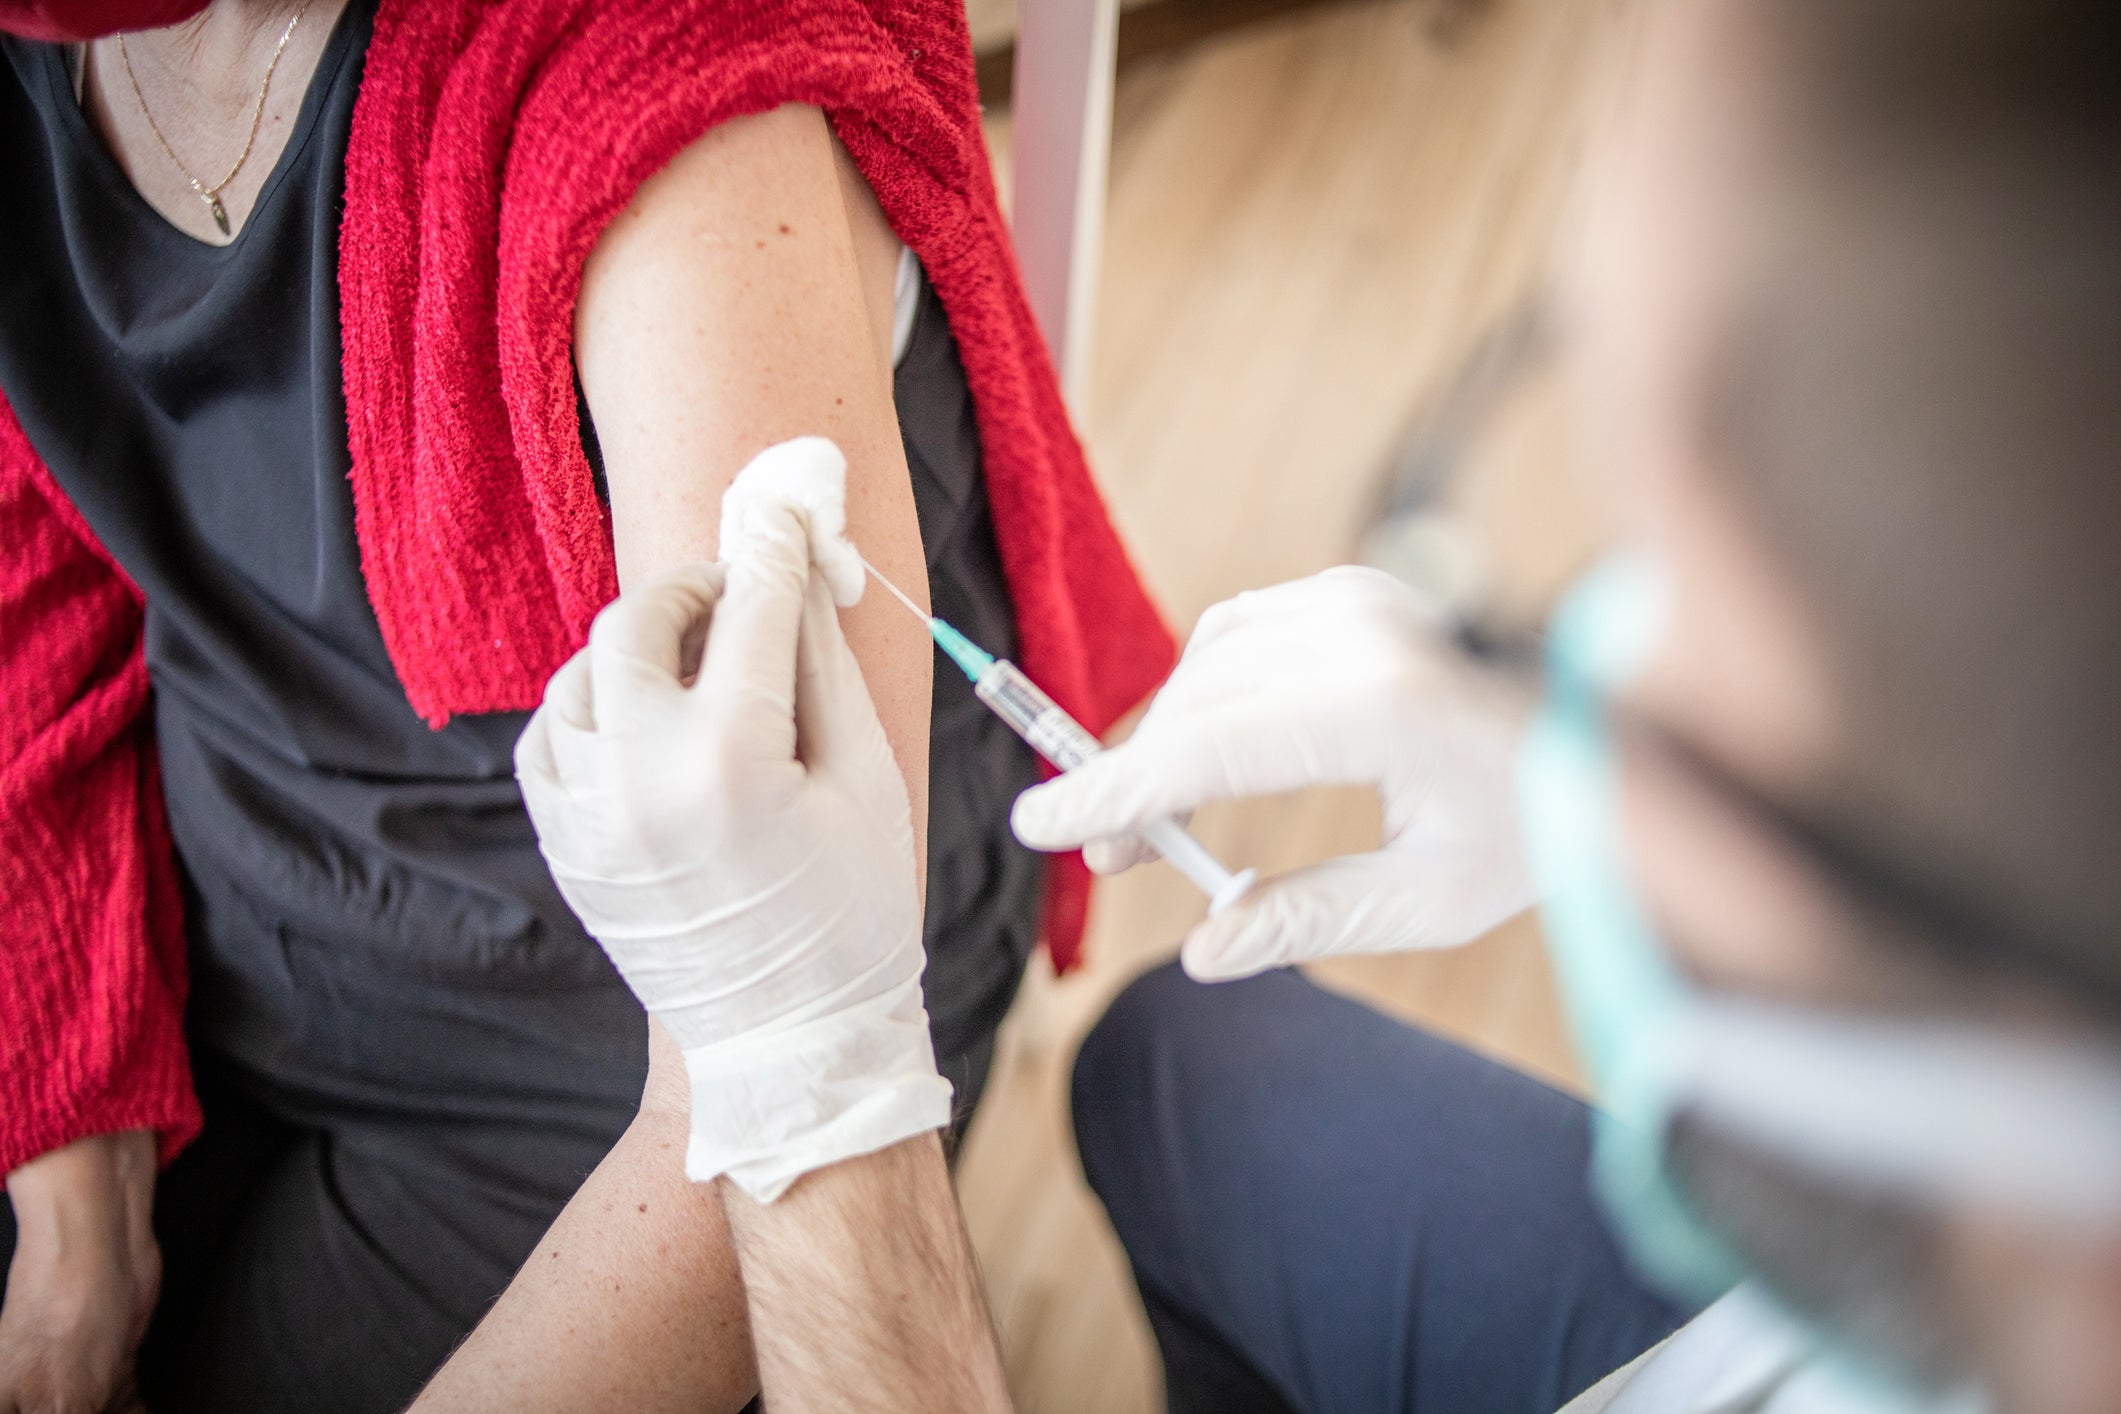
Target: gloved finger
(570,693)
(648,639)
(749,667)
(533,754)
(569,723)
(1115,854)
(1329,596)
(545,755)
(537,776)
(1249,611)
(1234,654)
(837,730)
(1174,765)
(1154,773)
(1355,904)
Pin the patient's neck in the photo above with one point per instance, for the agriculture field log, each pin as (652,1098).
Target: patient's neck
(199,82)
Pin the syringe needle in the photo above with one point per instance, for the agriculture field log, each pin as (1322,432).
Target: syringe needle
(968,655)
(901,595)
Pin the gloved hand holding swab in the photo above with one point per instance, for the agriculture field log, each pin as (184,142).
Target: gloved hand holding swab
(739,839)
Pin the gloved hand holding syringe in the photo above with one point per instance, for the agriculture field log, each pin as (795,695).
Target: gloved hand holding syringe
(1062,740)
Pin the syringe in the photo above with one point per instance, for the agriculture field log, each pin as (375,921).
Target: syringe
(1063,741)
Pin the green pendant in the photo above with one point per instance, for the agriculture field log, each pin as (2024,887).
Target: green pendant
(213,204)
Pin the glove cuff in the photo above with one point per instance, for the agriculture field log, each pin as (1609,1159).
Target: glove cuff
(769,1107)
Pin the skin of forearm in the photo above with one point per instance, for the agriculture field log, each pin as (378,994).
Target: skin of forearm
(85,1273)
(864,1293)
(106,1181)
(632,1300)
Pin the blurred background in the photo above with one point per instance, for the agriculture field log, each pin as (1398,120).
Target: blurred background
(1324,218)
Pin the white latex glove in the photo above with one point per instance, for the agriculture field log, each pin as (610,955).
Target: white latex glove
(1339,679)
(742,846)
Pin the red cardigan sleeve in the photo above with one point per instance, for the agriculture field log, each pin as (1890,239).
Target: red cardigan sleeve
(92,943)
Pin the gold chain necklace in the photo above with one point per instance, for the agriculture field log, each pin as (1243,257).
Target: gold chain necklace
(211,195)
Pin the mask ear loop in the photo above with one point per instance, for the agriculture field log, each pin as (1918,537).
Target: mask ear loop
(1938,1111)
(1620,990)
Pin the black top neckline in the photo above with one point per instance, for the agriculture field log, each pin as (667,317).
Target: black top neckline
(74,123)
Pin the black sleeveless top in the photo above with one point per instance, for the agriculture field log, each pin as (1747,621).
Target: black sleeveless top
(188,399)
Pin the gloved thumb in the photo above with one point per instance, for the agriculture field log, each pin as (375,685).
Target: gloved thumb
(1352,904)
(749,665)
(837,730)
(646,641)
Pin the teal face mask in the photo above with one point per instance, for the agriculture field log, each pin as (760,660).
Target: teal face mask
(1623,996)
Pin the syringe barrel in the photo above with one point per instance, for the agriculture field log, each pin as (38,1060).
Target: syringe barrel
(1059,738)
(1034,716)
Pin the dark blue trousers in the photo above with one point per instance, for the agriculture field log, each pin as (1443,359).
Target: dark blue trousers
(1333,1213)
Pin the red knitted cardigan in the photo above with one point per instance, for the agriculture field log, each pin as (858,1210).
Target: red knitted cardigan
(491,141)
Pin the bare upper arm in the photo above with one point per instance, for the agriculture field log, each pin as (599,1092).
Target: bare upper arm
(742,298)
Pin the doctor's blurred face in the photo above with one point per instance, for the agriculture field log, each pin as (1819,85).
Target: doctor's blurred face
(1681,199)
